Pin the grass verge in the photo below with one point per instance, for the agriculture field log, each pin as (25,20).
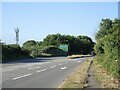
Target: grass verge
(104,77)
(79,78)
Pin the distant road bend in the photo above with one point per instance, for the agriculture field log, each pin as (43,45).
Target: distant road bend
(39,73)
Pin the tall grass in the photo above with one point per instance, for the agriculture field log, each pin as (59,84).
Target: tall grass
(110,65)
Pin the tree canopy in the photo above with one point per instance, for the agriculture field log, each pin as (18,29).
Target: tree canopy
(108,44)
(79,44)
(29,43)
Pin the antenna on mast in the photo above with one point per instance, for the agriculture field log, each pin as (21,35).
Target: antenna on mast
(17,35)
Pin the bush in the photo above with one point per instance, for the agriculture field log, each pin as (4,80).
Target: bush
(46,51)
(29,43)
(107,48)
(13,51)
(109,64)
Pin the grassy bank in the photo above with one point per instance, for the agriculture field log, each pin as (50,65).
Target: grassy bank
(79,78)
(105,78)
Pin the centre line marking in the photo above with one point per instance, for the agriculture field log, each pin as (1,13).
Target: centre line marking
(22,76)
(63,67)
(34,67)
(42,70)
(60,64)
(47,62)
(78,61)
(66,62)
(52,66)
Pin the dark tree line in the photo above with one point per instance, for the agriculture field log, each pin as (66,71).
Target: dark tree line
(76,45)
(48,47)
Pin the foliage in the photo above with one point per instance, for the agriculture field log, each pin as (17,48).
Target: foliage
(48,47)
(76,45)
(46,51)
(105,25)
(104,77)
(80,44)
(12,51)
(107,46)
(29,43)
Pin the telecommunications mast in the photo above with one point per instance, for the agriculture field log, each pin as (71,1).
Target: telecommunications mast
(17,35)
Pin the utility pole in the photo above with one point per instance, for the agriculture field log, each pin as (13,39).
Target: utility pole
(17,35)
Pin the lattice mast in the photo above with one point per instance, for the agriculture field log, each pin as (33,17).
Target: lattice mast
(17,35)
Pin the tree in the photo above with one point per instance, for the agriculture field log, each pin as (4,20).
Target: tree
(29,43)
(53,39)
(108,27)
(108,44)
(105,26)
(76,45)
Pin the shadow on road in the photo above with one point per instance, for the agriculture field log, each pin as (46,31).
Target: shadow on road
(33,60)
(29,61)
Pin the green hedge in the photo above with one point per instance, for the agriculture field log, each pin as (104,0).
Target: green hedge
(12,52)
(37,51)
(107,47)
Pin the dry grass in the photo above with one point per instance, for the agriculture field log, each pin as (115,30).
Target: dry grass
(105,78)
(79,78)
(77,56)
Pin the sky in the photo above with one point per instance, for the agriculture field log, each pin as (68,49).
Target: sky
(36,20)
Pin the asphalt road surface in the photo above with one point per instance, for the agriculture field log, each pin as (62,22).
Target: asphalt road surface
(39,73)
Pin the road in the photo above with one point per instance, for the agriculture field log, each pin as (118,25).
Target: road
(39,73)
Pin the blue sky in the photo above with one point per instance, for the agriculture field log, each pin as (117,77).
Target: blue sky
(38,19)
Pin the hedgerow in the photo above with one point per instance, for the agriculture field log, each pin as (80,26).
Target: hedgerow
(108,45)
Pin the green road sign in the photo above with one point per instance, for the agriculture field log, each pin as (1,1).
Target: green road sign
(64,47)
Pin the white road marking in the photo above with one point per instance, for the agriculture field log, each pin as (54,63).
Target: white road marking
(34,67)
(22,76)
(52,66)
(60,64)
(78,61)
(8,70)
(63,67)
(66,62)
(38,67)
(38,63)
(11,68)
(47,62)
(42,70)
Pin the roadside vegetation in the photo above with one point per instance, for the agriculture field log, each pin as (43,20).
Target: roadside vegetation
(79,78)
(76,45)
(13,52)
(105,78)
(48,47)
(106,62)
(46,51)
(107,46)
